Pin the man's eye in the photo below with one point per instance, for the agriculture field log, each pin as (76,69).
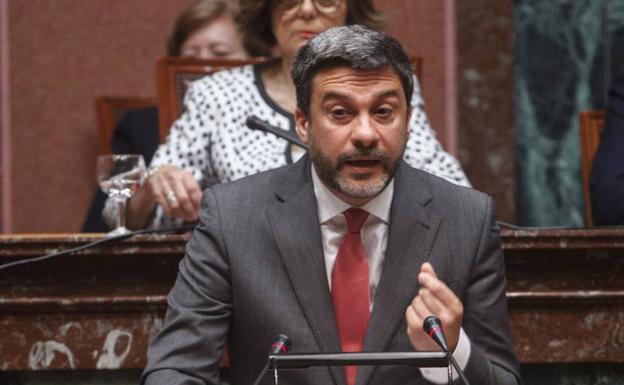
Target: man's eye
(338,112)
(384,112)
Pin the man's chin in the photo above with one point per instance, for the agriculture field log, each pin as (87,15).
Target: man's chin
(360,187)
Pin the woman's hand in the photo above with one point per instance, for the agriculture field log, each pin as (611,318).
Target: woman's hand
(171,187)
(176,191)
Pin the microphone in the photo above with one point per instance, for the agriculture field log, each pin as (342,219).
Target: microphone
(257,124)
(433,327)
(281,344)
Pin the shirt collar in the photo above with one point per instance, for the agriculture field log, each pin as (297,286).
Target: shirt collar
(329,205)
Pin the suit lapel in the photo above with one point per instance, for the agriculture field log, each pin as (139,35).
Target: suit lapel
(412,230)
(294,222)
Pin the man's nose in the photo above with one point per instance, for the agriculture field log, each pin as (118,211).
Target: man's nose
(364,132)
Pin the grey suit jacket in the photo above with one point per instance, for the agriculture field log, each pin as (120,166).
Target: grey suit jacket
(254,268)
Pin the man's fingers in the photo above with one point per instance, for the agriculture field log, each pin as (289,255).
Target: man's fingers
(435,298)
(415,332)
(431,302)
(414,321)
(438,289)
(428,268)
(420,307)
(438,297)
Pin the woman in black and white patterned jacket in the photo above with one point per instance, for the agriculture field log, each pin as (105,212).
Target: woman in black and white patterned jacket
(210,142)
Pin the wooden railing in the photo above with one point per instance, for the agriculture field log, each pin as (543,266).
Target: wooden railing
(100,307)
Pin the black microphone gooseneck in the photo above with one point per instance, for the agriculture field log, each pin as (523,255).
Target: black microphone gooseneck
(433,327)
(281,344)
(256,123)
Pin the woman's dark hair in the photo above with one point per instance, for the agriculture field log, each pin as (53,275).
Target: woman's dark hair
(195,17)
(255,21)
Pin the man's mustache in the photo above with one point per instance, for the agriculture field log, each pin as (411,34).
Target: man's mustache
(373,154)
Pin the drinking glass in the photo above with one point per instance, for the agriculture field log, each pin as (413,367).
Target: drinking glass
(119,176)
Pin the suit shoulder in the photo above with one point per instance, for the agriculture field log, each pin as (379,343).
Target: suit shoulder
(255,185)
(450,194)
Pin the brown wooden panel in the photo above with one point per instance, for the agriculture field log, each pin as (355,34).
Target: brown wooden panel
(565,293)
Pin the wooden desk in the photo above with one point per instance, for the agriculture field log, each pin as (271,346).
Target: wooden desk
(98,309)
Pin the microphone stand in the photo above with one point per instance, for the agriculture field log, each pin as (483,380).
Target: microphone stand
(302,361)
(256,123)
(433,327)
(306,360)
(262,374)
(281,344)
(458,368)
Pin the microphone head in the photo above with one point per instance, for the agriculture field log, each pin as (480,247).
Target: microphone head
(281,344)
(430,323)
(254,123)
(433,327)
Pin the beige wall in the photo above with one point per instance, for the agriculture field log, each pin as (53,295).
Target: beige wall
(420,26)
(62,54)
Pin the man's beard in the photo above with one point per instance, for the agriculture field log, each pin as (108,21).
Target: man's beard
(329,173)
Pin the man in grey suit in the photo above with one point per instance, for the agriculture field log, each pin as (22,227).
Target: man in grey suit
(279,252)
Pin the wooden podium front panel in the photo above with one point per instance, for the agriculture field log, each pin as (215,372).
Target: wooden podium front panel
(99,308)
(565,294)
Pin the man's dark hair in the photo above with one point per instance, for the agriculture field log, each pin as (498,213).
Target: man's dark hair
(352,46)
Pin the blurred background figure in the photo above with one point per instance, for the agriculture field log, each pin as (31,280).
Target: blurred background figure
(206,29)
(210,142)
(607,178)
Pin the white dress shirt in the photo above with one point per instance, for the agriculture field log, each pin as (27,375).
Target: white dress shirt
(374,236)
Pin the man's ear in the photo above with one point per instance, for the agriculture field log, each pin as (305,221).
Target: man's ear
(303,125)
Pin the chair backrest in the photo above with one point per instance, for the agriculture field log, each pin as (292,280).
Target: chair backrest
(173,75)
(591,123)
(109,110)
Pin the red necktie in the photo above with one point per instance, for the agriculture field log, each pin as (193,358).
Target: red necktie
(350,288)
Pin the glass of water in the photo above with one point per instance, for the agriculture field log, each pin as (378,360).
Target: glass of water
(119,176)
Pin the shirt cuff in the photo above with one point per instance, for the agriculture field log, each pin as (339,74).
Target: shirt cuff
(461,355)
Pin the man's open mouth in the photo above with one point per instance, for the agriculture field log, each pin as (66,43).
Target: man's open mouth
(364,163)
